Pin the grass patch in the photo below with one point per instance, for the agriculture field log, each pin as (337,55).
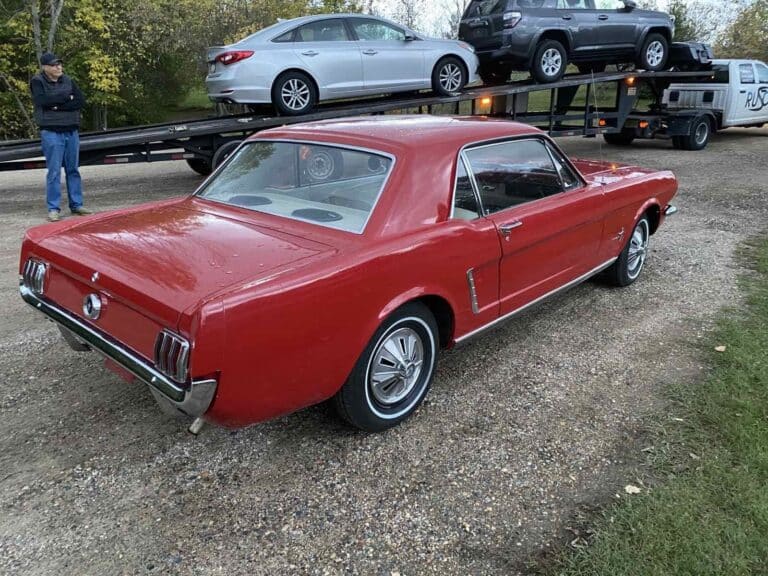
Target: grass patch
(709,514)
(196,98)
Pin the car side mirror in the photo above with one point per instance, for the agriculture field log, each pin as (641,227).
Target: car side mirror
(630,4)
(409,38)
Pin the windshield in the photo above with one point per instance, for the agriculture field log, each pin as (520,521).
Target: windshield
(326,185)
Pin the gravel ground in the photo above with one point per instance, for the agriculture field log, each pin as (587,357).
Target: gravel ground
(522,429)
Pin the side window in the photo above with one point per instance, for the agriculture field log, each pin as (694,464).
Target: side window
(746,74)
(464,201)
(374,30)
(567,176)
(609,4)
(484,7)
(322,31)
(512,173)
(285,37)
(574,5)
(762,73)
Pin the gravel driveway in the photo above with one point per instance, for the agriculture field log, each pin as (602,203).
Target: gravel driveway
(523,427)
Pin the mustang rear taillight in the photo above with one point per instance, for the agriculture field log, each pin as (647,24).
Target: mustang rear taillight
(511,19)
(172,355)
(34,276)
(233,56)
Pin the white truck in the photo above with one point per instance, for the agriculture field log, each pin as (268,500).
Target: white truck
(692,107)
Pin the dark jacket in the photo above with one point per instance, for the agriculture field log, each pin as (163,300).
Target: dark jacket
(57,104)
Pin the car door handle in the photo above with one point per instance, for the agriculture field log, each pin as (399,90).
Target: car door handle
(370,52)
(310,53)
(602,17)
(506,229)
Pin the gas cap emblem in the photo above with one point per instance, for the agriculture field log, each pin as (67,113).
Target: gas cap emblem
(92,306)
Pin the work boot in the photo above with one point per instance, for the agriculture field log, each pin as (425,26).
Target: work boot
(53,216)
(80,211)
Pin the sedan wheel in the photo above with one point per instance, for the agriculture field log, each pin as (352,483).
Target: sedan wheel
(393,373)
(627,267)
(293,93)
(448,77)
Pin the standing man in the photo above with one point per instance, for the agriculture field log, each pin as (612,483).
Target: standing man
(58,102)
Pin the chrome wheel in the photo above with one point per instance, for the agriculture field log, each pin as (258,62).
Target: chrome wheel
(396,366)
(551,62)
(654,54)
(295,94)
(701,134)
(638,247)
(450,77)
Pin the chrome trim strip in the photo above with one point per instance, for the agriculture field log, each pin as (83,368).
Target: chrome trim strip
(193,401)
(670,210)
(472,291)
(509,315)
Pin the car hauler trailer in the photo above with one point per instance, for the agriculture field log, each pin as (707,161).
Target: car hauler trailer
(571,108)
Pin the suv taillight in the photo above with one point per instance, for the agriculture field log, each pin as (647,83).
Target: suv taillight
(233,56)
(511,19)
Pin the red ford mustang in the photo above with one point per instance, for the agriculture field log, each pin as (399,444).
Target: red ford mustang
(335,259)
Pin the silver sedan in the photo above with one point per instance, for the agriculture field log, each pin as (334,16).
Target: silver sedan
(297,63)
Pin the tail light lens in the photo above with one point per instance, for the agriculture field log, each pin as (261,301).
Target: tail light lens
(172,355)
(511,19)
(34,276)
(233,56)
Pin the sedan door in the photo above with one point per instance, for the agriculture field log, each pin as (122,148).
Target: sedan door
(549,223)
(333,58)
(390,61)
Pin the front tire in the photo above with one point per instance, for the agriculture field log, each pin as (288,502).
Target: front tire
(549,62)
(626,269)
(449,76)
(293,94)
(394,372)
(654,54)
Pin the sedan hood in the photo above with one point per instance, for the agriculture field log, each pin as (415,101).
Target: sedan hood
(172,256)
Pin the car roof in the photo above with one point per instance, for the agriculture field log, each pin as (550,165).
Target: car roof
(401,133)
(285,25)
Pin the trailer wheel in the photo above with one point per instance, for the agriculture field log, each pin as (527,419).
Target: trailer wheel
(224,151)
(623,138)
(698,136)
(493,74)
(200,165)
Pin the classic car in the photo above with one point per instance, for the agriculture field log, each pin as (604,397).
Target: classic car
(334,260)
(297,63)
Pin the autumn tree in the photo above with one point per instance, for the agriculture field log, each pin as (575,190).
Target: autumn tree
(747,35)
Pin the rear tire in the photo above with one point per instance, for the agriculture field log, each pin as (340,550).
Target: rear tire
(200,165)
(394,372)
(549,62)
(698,137)
(449,76)
(654,54)
(293,94)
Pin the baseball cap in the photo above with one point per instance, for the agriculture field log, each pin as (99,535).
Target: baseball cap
(49,58)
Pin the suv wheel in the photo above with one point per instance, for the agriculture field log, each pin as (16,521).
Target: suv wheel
(653,56)
(549,61)
(494,74)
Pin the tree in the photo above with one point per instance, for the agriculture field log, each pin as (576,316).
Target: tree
(747,35)
(695,21)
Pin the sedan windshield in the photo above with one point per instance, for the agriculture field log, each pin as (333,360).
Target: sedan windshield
(326,185)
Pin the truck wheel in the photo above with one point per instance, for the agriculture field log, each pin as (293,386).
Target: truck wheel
(677,142)
(200,165)
(549,62)
(654,54)
(698,136)
(224,151)
(623,138)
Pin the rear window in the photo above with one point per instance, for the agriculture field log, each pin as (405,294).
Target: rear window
(478,8)
(720,73)
(326,185)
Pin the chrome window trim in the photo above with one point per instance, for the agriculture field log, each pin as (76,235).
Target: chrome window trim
(248,142)
(472,183)
(524,307)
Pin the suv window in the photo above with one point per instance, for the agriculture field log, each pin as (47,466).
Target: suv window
(746,74)
(609,4)
(762,73)
(513,173)
(375,30)
(322,31)
(575,5)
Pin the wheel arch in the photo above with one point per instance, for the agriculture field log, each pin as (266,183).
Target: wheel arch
(458,57)
(561,36)
(653,30)
(438,305)
(309,75)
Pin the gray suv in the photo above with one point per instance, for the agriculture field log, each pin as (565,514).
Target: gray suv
(544,36)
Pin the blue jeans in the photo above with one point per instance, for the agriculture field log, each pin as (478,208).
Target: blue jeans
(62,149)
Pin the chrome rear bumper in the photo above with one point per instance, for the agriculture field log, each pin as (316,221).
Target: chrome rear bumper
(193,401)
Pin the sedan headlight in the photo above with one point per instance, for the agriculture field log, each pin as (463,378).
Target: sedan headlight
(34,275)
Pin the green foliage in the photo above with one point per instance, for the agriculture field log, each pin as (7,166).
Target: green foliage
(711,515)
(747,35)
(134,59)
